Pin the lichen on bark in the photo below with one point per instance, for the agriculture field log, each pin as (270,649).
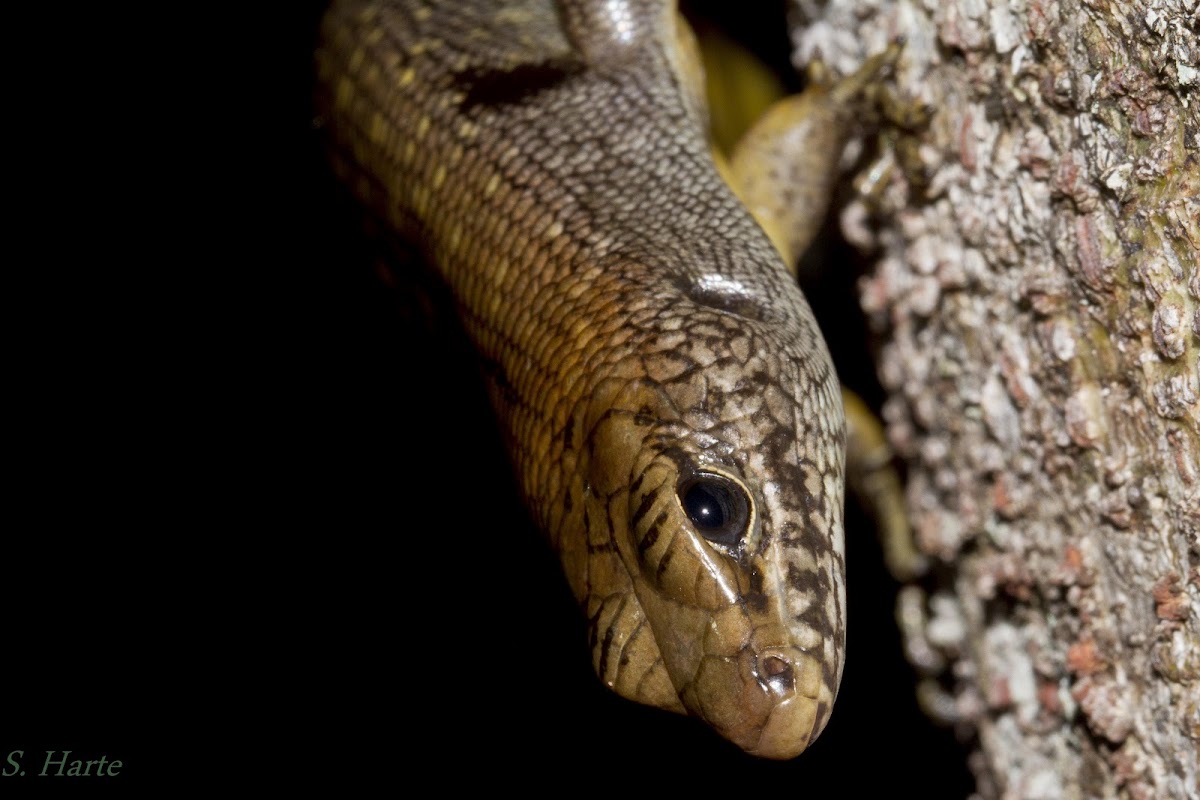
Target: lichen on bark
(1036,294)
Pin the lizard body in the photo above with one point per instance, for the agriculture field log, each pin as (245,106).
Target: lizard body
(669,405)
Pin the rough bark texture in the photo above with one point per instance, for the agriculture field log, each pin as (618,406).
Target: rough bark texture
(1037,296)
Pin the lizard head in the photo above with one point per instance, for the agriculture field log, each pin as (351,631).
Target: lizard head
(713,512)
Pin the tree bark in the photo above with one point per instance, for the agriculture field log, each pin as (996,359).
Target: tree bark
(1036,293)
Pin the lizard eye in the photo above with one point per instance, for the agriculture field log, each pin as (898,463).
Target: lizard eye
(717,506)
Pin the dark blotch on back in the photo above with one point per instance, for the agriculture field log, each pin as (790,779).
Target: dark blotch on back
(522,83)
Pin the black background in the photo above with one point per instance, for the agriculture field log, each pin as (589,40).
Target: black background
(217,569)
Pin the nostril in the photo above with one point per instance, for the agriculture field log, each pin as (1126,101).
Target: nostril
(774,665)
(778,673)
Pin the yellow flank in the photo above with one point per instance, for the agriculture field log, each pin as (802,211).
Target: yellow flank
(739,87)
(873,479)
(785,166)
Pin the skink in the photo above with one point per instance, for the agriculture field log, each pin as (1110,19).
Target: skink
(669,405)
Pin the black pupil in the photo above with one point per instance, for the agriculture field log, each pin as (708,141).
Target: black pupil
(718,507)
(707,504)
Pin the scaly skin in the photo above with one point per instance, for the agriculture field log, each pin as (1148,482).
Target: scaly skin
(640,334)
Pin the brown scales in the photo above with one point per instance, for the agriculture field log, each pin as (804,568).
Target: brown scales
(640,330)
